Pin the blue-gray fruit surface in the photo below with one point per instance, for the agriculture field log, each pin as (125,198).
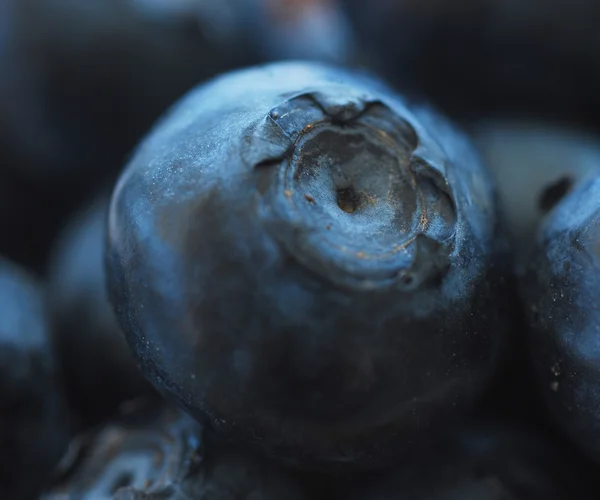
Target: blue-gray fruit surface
(561,290)
(534,163)
(310,265)
(33,427)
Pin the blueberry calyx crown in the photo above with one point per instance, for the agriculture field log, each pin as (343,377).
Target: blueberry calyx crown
(353,198)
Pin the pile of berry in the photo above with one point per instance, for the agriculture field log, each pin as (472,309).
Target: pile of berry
(228,274)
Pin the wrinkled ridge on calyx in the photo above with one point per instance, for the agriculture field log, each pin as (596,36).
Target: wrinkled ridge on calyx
(358,213)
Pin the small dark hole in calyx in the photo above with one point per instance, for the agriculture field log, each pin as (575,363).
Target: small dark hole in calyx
(553,193)
(348,199)
(122,481)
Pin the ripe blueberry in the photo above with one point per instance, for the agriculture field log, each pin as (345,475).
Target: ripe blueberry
(561,290)
(534,165)
(309,264)
(33,427)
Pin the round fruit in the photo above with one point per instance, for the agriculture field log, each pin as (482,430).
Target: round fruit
(561,290)
(309,264)
(33,427)
(534,165)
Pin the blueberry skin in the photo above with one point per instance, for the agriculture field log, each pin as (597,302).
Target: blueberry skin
(309,265)
(478,58)
(33,424)
(155,452)
(534,164)
(487,459)
(95,358)
(560,291)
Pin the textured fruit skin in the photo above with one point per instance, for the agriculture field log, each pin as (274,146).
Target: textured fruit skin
(252,296)
(475,58)
(95,358)
(487,459)
(155,452)
(561,290)
(33,424)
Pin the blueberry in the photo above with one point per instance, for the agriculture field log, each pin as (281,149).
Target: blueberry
(534,164)
(561,290)
(154,452)
(33,427)
(476,58)
(486,460)
(95,357)
(309,265)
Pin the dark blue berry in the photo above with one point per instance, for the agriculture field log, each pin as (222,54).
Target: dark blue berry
(561,290)
(535,164)
(309,264)
(33,423)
